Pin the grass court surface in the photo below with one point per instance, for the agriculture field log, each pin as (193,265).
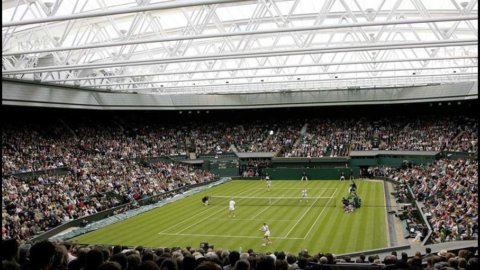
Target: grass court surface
(294,225)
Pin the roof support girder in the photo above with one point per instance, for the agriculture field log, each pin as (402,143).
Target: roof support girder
(153,7)
(244,33)
(351,48)
(274,67)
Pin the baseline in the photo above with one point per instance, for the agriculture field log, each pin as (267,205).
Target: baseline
(225,236)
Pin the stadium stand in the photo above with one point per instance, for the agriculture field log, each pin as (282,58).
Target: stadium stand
(36,204)
(115,109)
(32,148)
(104,154)
(448,190)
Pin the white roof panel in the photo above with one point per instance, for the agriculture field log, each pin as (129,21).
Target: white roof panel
(155,46)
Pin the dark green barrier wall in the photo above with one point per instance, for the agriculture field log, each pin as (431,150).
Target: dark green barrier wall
(363,161)
(318,168)
(460,155)
(389,160)
(397,161)
(314,174)
(225,172)
(309,162)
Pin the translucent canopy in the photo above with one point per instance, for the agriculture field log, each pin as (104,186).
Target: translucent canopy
(226,46)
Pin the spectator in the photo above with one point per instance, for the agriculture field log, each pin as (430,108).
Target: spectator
(121,259)
(189,262)
(168,264)
(60,261)
(10,250)
(243,264)
(233,257)
(208,265)
(94,259)
(109,266)
(148,265)
(265,262)
(42,255)
(134,261)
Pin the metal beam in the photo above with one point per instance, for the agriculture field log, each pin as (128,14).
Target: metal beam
(260,32)
(184,88)
(288,75)
(351,48)
(269,67)
(154,7)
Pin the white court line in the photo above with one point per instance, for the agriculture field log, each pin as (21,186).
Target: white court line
(189,218)
(265,209)
(300,219)
(293,188)
(185,220)
(252,219)
(224,236)
(205,218)
(316,220)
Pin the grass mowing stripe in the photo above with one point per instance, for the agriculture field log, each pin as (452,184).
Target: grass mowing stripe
(316,219)
(188,220)
(381,216)
(301,218)
(367,223)
(270,216)
(336,227)
(241,211)
(154,216)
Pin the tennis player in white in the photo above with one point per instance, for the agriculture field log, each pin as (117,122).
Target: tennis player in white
(304,195)
(269,184)
(266,234)
(231,208)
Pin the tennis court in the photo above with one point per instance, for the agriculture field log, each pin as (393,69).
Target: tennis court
(316,223)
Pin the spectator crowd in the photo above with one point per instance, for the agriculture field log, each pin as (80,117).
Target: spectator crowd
(32,147)
(67,256)
(35,204)
(448,190)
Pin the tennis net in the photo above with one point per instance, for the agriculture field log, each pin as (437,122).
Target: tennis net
(274,201)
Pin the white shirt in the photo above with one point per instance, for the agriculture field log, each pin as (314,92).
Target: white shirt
(266,230)
(231,205)
(304,193)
